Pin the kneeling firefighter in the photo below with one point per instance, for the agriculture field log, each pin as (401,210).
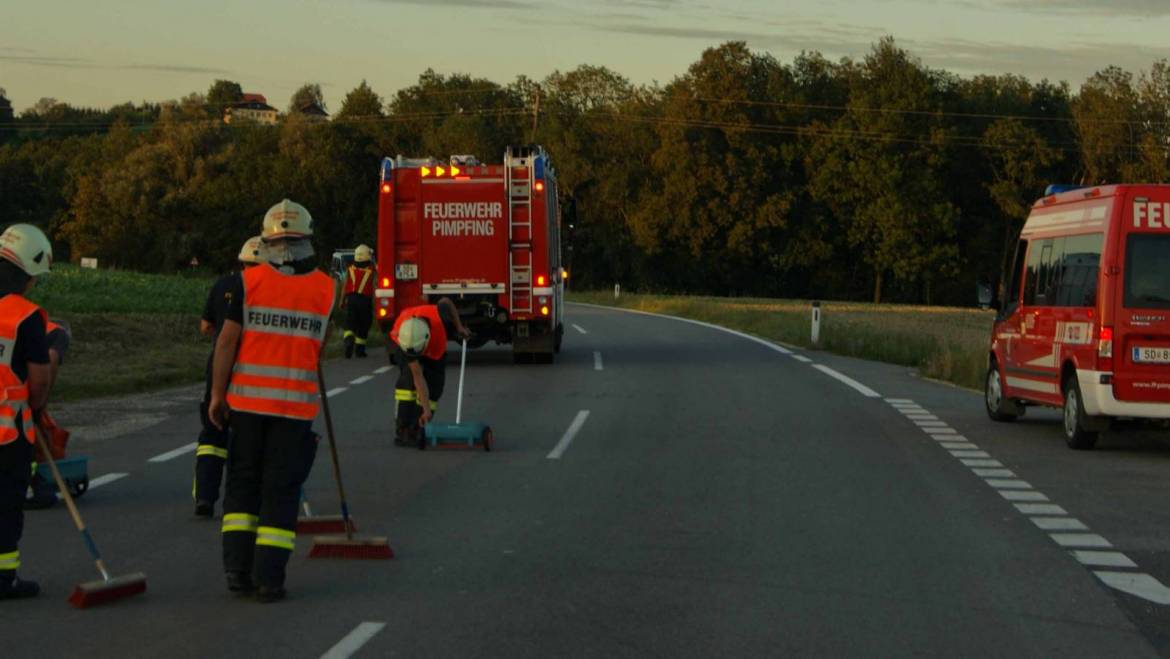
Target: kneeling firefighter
(420,339)
(265,371)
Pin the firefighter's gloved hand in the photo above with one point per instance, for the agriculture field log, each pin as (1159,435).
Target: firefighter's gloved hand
(464,333)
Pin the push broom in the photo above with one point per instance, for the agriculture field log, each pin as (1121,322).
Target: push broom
(343,546)
(107,589)
(312,524)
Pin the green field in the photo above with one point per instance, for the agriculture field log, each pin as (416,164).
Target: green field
(943,343)
(132,332)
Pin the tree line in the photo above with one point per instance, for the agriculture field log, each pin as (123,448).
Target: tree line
(874,178)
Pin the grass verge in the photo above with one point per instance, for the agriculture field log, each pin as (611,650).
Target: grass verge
(944,343)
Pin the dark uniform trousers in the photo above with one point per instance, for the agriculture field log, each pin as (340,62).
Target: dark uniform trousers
(359,314)
(15,474)
(269,459)
(211,452)
(435,375)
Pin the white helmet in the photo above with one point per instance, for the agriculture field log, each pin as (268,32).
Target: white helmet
(26,247)
(288,219)
(363,253)
(252,251)
(413,336)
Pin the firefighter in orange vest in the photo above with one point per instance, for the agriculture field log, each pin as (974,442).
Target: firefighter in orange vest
(25,254)
(358,301)
(420,337)
(211,451)
(266,372)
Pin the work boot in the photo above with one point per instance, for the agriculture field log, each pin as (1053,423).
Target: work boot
(204,509)
(349,347)
(240,583)
(270,594)
(15,588)
(361,351)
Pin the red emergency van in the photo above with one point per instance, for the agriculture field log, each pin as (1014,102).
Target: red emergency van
(485,235)
(1085,321)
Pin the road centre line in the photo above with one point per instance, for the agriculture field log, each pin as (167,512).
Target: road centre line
(845,379)
(335,391)
(574,428)
(362,380)
(597,366)
(170,455)
(384,369)
(106,479)
(354,640)
(801,358)
(579,328)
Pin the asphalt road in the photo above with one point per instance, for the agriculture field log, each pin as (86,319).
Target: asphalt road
(664,490)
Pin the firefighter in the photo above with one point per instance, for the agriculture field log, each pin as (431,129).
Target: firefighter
(43,489)
(265,371)
(358,301)
(212,449)
(25,375)
(420,339)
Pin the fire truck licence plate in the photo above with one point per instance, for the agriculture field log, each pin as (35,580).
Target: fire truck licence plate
(1151,355)
(406,271)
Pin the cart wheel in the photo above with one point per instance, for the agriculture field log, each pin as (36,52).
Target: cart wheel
(78,488)
(488,439)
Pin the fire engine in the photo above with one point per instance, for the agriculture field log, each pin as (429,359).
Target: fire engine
(1085,323)
(486,236)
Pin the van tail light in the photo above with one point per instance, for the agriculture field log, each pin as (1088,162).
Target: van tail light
(1105,349)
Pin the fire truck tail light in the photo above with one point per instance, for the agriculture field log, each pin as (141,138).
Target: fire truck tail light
(539,186)
(385,282)
(382,312)
(1105,349)
(385,188)
(540,280)
(544,311)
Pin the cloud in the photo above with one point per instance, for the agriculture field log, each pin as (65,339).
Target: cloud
(38,60)
(1143,8)
(1073,63)
(467,4)
(173,68)
(85,63)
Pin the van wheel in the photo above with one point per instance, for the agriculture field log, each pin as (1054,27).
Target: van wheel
(1076,434)
(999,408)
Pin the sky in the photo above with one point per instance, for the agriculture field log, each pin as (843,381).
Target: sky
(100,53)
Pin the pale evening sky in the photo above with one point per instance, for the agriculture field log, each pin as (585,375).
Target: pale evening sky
(102,52)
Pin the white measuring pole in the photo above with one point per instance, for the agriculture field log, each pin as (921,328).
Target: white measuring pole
(462,367)
(816,322)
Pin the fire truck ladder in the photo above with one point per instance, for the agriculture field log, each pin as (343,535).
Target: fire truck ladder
(518,173)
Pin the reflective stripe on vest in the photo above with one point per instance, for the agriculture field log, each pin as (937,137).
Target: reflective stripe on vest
(285,321)
(365,288)
(270,536)
(14,310)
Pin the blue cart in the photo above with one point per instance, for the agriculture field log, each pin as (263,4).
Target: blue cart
(75,473)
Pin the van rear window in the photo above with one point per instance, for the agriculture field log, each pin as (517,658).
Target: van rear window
(1147,271)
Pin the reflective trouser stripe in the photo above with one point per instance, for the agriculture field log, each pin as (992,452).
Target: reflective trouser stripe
(270,536)
(405,394)
(241,522)
(346,334)
(359,340)
(10,561)
(211,450)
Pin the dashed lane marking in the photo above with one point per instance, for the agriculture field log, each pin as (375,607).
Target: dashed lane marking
(801,358)
(1141,585)
(354,640)
(1023,495)
(1080,540)
(384,369)
(1103,558)
(362,380)
(1059,524)
(1040,509)
(171,455)
(1008,484)
(335,391)
(597,365)
(106,479)
(574,428)
(579,328)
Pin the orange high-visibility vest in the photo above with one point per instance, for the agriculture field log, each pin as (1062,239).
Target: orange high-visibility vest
(285,318)
(14,310)
(360,280)
(437,346)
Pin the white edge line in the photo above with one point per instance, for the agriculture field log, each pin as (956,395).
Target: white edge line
(801,358)
(335,391)
(384,369)
(106,479)
(362,380)
(574,428)
(354,640)
(170,455)
(845,379)
(579,328)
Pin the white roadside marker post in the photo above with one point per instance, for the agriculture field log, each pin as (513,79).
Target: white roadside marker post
(617,291)
(816,322)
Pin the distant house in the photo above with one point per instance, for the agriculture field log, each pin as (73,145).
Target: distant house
(313,112)
(251,108)
(6,113)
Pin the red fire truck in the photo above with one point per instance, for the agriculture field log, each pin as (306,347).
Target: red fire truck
(485,236)
(1085,323)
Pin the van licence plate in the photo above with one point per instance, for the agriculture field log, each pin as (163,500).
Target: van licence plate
(406,271)
(1151,355)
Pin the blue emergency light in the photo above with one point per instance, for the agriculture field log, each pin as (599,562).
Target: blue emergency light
(1057,188)
(387,169)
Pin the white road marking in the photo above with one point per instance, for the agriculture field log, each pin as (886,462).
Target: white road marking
(1059,523)
(957,445)
(354,640)
(943,439)
(764,342)
(579,328)
(1008,484)
(1079,540)
(970,454)
(994,473)
(1140,585)
(918,416)
(931,426)
(1040,509)
(845,379)
(979,462)
(1022,495)
(574,428)
(942,431)
(597,366)
(171,455)
(384,369)
(335,391)
(896,401)
(362,380)
(1103,558)
(106,479)
(801,358)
